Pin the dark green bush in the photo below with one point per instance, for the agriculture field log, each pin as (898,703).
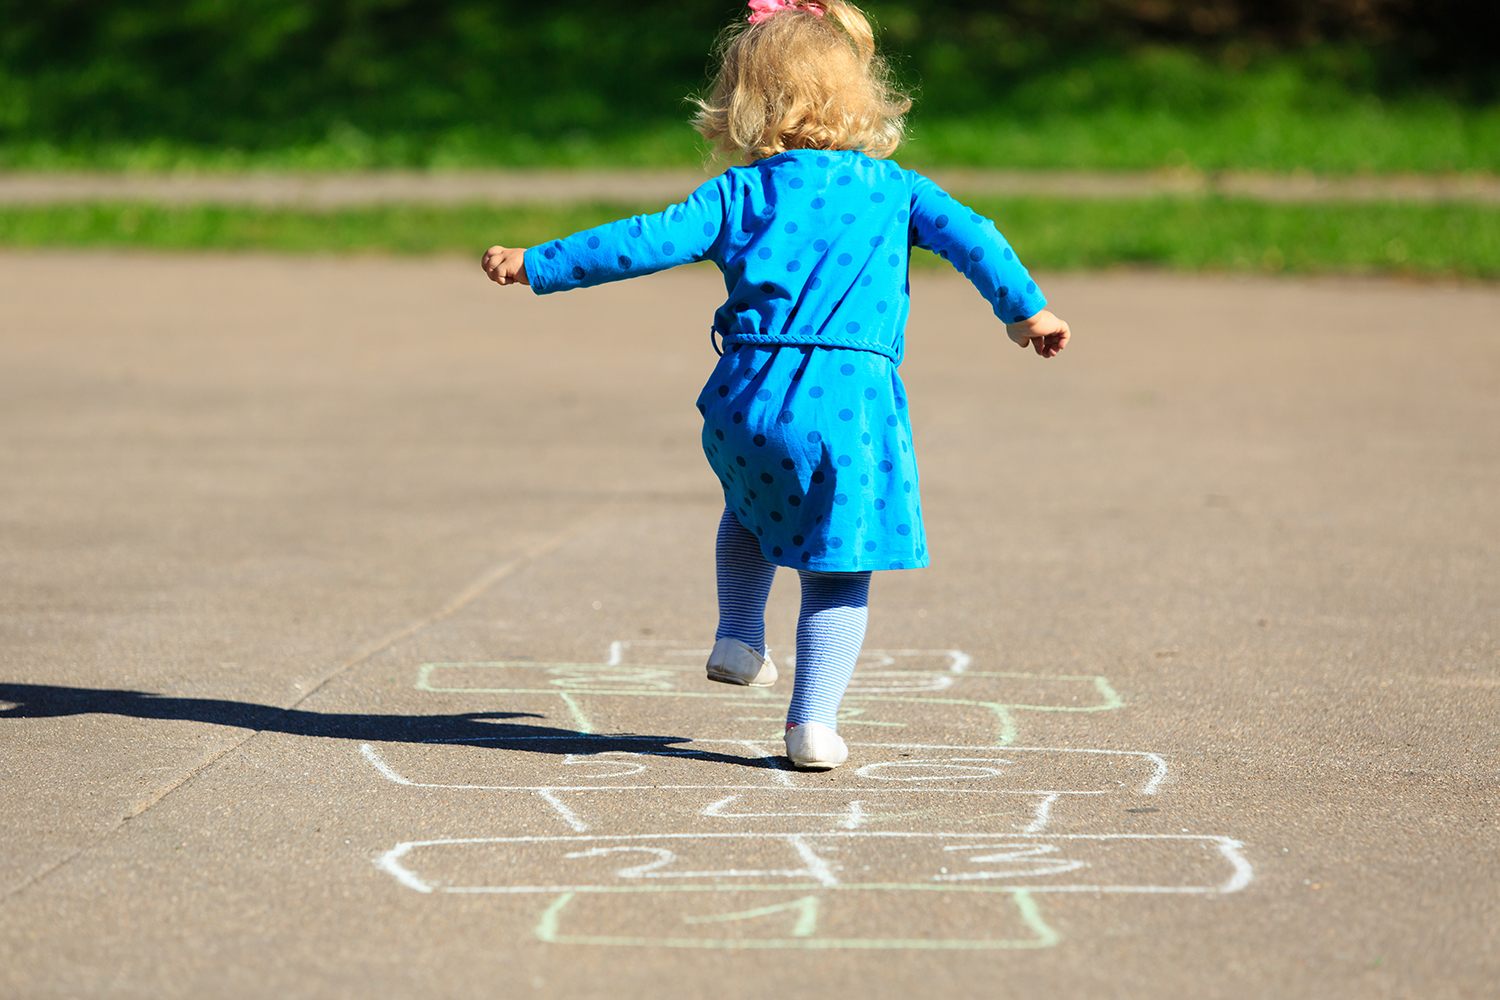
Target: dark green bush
(257,74)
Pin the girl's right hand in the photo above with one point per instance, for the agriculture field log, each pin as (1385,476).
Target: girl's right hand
(1045,332)
(506,265)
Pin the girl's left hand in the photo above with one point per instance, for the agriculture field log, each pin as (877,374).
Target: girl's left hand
(506,265)
(1044,331)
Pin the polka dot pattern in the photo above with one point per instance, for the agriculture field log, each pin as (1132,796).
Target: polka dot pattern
(819,467)
(805,418)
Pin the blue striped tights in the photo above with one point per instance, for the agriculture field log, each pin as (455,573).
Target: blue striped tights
(830,627)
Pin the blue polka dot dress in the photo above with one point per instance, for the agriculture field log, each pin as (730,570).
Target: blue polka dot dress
(813,448)
(804,418)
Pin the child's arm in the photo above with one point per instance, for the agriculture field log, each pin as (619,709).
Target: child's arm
(639,245)
(973,245)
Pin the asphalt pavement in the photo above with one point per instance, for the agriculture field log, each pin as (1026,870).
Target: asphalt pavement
(327,191)
(354,610)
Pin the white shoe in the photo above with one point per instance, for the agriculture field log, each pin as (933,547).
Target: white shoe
(733,662)
(812,746)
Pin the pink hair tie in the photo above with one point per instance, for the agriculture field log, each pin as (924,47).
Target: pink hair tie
(762,9)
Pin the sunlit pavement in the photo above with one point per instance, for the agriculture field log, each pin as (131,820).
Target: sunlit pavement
(354,613)
(507,187)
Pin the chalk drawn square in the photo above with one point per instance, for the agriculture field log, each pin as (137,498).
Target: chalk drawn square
(973,861)
(772,919)
(886,697)
(627,761)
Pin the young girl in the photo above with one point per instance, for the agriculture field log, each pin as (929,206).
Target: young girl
(804,418)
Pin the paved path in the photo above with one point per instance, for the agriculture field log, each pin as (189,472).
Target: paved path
(327,191)
(353,612)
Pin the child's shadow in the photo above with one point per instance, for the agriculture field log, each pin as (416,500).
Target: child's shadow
(480,729)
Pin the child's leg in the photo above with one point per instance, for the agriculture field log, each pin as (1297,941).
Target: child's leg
(744,584)
(830,630)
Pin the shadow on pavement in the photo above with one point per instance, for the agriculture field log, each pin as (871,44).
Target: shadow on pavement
(480,729)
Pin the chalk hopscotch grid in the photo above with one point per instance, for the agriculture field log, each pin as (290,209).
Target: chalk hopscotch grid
(654,680)
(818,876)
(1027,910)
(853,817)
(1149,787)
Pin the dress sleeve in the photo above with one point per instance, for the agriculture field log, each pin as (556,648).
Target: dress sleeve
(627,248)
(973,245)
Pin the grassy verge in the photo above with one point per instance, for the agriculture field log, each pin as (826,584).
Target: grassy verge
(1136,110)
(1180,233)
(1364,138)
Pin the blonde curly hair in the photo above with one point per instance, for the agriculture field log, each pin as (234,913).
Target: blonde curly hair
(798,80)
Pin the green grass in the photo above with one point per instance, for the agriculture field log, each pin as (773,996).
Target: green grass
(665,144)
(402,229)
(1141,110)
(1191,234)
(1439,138)
(1160,107)
(1366,138)
(1238,234)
